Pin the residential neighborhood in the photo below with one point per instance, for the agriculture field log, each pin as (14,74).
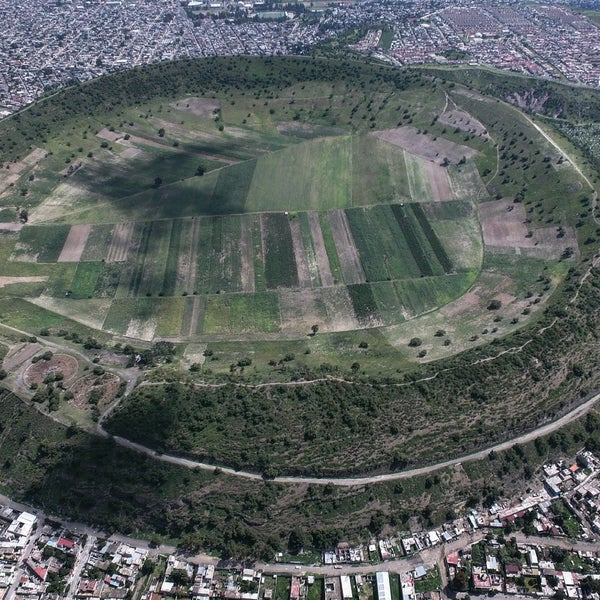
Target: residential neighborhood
(541,544)
(49,44)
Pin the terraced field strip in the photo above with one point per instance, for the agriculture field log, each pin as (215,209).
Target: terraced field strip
(98,243)
(258,252)
(230,256)
(155,262)
(418,178)
(304,280)
(202,251)
(367,238)
(306,176)
(133,275)
(75,243)
(170,314)
(300,309)
(406,266)
(180,234)
(192,325)
(247,255)
(408,227)
(350,264)
(389,306)
(309,250)
(188,279)
(365,306)
(321,254)
(432,238)
(178,269)
(121,240)
(279,257)
(339,309)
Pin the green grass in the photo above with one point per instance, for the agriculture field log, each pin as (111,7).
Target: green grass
(86,278)
(123,311)
(232,188)
(378,172)
(252,313)
(155,258)
(313,175)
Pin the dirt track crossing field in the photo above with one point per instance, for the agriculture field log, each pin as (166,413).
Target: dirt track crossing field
(344,242)
(75,243)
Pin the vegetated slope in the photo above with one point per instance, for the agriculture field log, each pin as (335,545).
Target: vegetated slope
(93,480)
(454,407)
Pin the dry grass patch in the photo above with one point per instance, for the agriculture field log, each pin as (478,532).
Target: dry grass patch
(200,107)
(75,243)
(505,229)
(432,148)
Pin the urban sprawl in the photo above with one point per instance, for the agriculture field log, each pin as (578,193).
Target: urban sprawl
(542,544)
(52,43)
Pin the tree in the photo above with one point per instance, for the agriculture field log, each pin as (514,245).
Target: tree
(157,182)
(415,342)
(161,132)
(314,329)
(200,171)
(495,304)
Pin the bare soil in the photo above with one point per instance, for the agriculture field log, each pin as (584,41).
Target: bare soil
(340,312)
(107,385)
(19,354)
(300,255)
(75,243)
(300,309)
(13,172)
(320,251)
(111,136)
(201,107)
(119,245)
(439,182)
(344,242)
(31,279)
(425,145)
(464,121)
(63,363)
(11,226)
(504,228)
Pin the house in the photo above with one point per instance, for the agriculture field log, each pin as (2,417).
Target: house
(384,591)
